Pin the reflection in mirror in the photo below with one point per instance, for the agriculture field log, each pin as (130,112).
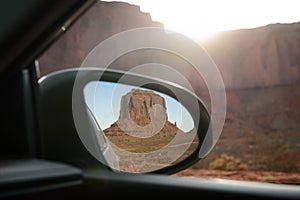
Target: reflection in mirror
(147,130)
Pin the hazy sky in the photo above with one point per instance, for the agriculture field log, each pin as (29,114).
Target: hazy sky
(200,18)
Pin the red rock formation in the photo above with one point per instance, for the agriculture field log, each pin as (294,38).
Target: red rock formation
(137,104)
(260,57)
(142,112)
(103,20)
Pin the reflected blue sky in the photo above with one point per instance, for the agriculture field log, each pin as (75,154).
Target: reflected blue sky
(104,98)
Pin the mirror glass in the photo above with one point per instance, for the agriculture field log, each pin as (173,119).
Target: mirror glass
(140,130)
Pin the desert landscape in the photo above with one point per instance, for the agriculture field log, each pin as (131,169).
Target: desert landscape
(261,144)
(135,118)
(260,67)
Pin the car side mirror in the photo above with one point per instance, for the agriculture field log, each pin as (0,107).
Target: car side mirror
(137,124)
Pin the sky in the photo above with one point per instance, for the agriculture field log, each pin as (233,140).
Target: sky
(200,19)
(104,98)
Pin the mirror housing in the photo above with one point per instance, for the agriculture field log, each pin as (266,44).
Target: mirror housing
(77,120)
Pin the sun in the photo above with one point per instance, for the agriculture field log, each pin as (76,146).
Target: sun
(192,31)
(201,19)
(186,17)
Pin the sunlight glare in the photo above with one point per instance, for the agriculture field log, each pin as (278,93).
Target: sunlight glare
(199,19)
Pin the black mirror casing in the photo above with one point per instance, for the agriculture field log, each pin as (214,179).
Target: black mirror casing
(59,132)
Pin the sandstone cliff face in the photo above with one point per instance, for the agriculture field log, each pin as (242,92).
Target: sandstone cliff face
(103,20)
(260,57)
(137,105)
(142,113)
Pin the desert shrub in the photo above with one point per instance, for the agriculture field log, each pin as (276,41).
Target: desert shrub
(227,163)
(270,180)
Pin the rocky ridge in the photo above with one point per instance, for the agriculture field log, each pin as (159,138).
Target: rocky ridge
(248,58)
(142,111)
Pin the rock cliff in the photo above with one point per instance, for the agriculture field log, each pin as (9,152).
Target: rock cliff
(138,104)
(103,20)
(259,57)
(142,113)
